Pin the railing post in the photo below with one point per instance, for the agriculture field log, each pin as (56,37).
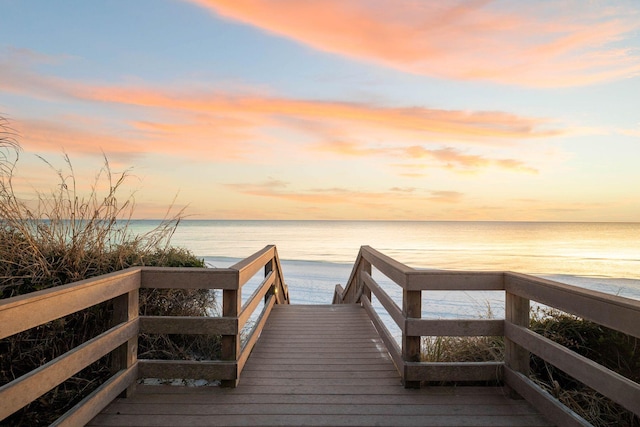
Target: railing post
(125,309)
(365,266)
(268,268)
(411,309)
(515,357)
(231,305)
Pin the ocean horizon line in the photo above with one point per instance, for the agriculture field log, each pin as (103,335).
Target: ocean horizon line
(390,220)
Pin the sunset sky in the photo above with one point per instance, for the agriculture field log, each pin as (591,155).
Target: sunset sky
(333,109)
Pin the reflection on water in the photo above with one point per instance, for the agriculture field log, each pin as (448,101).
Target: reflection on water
(317,255)
(584,249)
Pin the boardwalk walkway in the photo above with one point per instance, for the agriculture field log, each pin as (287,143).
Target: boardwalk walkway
(320,366)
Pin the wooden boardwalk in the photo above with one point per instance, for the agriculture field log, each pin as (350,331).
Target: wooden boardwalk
(319,366)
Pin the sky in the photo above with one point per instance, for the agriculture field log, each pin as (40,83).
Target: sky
(332,109)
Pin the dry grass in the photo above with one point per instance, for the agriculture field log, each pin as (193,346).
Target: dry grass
(612,349)
(462,349)
(9,147)
(615,350)
(64,235)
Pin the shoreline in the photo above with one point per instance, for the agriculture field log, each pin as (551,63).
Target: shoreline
(313,282)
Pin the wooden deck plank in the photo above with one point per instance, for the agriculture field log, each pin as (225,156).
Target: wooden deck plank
(321,382)
(259,373)
(325,361)
(320,420)
(285,346)
(319,366)
(212,395)
(315,409)
(302,353)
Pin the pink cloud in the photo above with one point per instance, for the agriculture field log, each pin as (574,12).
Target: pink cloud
(631,132)
(245,111)
(447,157)
(41,135)
(452,158)
(344,196)
(228,126)
(448,123)
(50,136)
(445,196)
(541,44)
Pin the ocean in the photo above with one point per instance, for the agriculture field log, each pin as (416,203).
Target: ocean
(317,255)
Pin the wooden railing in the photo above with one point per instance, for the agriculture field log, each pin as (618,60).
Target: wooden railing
(617,313)
(122,288)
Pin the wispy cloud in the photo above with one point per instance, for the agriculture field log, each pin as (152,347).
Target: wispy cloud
(194,140)
(446,157)
(454,158)
(215,124)
(53,136)
(451,124)
(532,44)
(445,196)
(631,132)
(336,195)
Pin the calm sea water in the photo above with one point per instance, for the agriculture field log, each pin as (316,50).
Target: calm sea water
(316,255)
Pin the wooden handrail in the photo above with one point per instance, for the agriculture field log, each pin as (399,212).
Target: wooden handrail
(24,312)
(249,266)
(27,311)
(267,260)
(612,311)
(188,278)
(617,313)
(34,384)
(389,304)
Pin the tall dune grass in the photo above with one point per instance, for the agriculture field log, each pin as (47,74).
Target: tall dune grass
(614,350)
(65,234)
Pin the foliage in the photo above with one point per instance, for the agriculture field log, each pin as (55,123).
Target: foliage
(9,147)
(66,235)
(462,349)
(612,349)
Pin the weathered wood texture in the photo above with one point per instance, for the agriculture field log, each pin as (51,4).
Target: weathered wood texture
(23,312)
(34,384)
(612,311)
(188,278)
(122,288)
(320,366)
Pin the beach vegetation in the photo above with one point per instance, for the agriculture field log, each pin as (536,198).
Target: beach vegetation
(612,349)
(69,234)
(462,349)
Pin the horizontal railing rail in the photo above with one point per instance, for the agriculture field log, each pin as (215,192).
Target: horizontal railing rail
(24,312)
(229,326)
(614,312)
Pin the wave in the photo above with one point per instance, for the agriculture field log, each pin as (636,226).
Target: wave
(313,282)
